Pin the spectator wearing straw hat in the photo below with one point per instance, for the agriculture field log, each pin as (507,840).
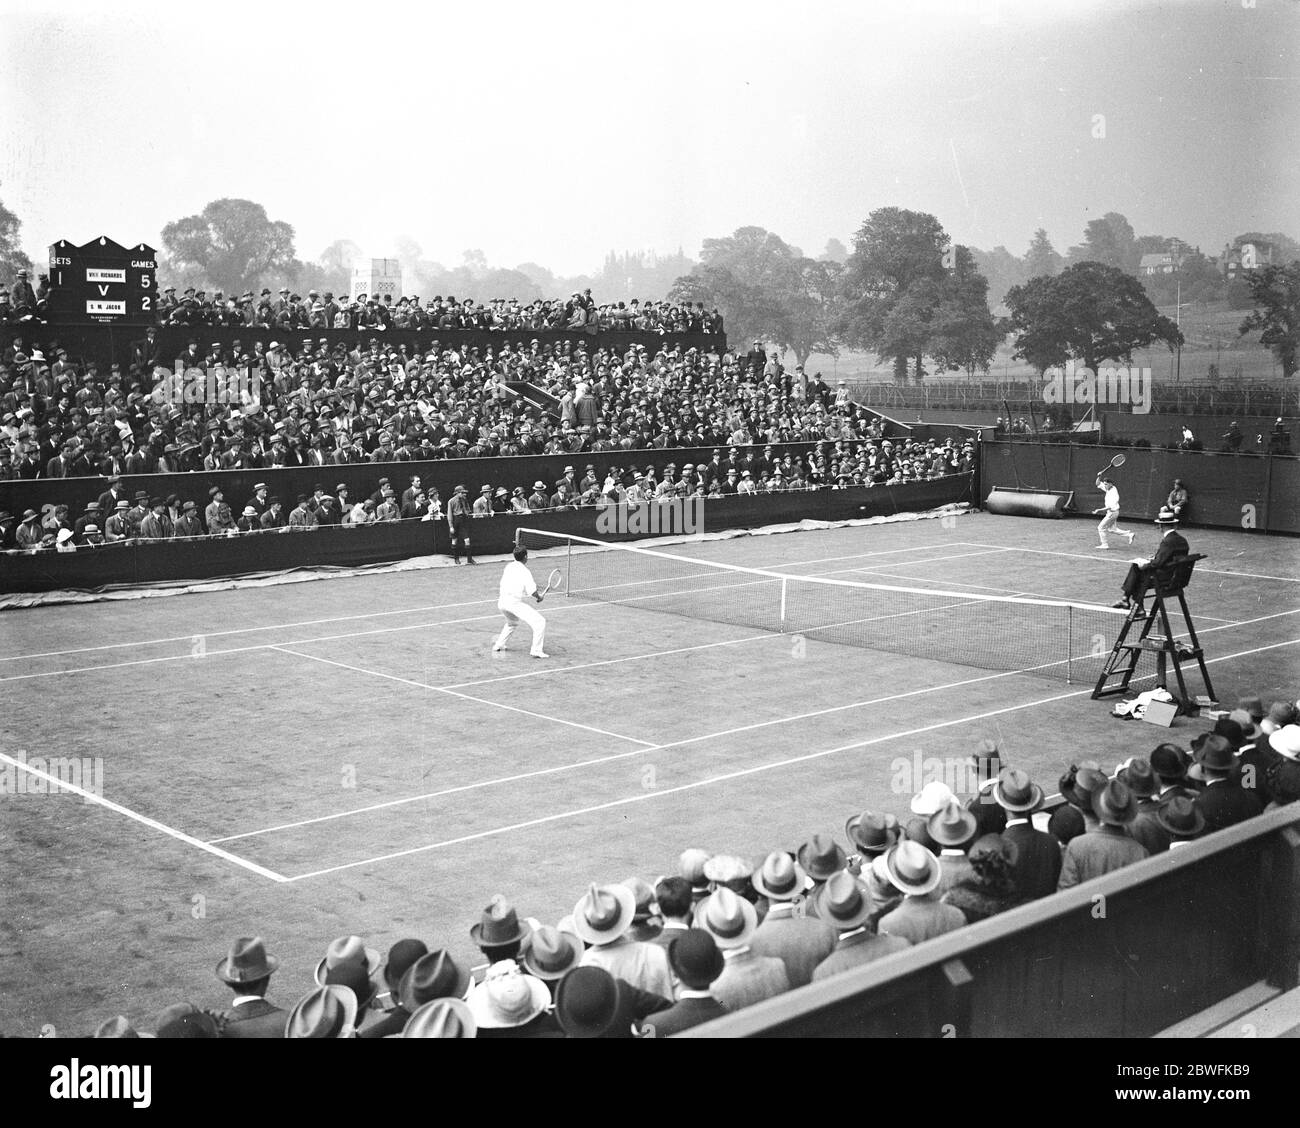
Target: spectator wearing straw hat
(799,942)
(691,867)
(1036,864)
(510,1003)
(748,978)
(846,904)
(697,963)
(1284,777)
(953,828)
(1106,846)
(915,872)
(591,1003)
(1224,802)
(645,925)
(602,918)
(247,971)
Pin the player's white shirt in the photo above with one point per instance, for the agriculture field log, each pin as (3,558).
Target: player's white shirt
(1112,499)
(516,582)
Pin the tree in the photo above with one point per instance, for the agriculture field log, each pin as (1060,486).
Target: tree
(12,258)
(746,310)
(336,262)
(1275,290)
(232,243)
(810,327)
(891,285)
(1109,240)
(963,333)
(1001,269)
(835,252)
(1089,311)
(1041,260)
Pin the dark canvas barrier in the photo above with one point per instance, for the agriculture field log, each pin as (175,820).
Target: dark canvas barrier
(349,547)
(362,479)
(1181,932)
(1227,490)
(1167,430)
(104,343)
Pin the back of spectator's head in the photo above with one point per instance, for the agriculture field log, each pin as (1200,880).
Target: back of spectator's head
(673,896)
(917,830)
(1169,762)
(691,866)
(695,958)
(1065,823)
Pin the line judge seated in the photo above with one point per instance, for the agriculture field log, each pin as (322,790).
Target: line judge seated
(1172,545)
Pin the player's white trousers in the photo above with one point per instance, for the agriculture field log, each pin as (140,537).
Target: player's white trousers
(1107,525)
(514,610)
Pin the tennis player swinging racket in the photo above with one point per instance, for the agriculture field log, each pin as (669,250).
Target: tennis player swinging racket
(517,584)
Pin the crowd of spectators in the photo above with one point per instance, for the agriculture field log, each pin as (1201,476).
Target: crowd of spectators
(119,514)
(642,958)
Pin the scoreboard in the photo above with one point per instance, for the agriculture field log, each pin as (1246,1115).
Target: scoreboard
(104,282)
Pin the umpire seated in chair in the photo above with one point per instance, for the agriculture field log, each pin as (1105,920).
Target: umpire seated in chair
(1172,545)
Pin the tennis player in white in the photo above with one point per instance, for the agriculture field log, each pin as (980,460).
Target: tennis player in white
(517,584)
(1108,524)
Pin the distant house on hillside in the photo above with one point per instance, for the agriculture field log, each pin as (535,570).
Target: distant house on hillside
(1247,256)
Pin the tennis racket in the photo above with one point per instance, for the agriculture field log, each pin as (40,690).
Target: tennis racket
(1114,464)
(554,582)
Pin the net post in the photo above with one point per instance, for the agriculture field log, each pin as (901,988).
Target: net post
(784,582)
(1069,643)
(568,566)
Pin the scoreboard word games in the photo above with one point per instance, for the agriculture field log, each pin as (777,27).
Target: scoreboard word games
(104,282)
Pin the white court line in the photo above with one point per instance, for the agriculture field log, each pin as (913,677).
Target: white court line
(614,757)
(934,560)
(462,696)
(740,773)
(1126,560)
(153,824)
(381,614)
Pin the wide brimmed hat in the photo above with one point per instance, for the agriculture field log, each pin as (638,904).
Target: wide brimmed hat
(442,1018)
(953,825)
(587,1003)
(728,918)
(822,856)
(507,997)
(356,979)
(696,958)
(327,1012)
(1114,803)
(1016,792)
(1166,516)
(780,878)
(912,868)
(727,867)
(872,833)
(932,798)
(1078,784)
(550,952)
(117,1027)
(1215,754)
(436,975)
(1286,742)
(844,902)
(1140,777)
(246,962)
(499,925)
(348,949)
(1181,817)
(604,913)
(185,1020)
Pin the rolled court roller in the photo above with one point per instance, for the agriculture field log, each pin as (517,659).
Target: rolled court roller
(1010,502)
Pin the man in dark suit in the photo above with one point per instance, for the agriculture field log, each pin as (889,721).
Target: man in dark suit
(696,962)
(1224,802)
(1037,865)
(247,971)
(846,904)
(1172,545)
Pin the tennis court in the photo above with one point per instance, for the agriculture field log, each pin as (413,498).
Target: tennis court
(348,756)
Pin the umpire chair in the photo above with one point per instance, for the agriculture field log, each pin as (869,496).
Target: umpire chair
(1164,585)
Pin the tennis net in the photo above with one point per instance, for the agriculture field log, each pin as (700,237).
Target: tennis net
(1048,638)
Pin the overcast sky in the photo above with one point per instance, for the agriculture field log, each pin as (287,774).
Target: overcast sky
(555,132)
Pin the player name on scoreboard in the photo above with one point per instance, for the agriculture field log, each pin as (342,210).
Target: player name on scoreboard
(103,281)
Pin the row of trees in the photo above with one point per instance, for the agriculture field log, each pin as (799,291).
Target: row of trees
(905,291)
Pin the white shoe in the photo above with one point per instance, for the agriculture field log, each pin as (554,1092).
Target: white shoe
(1101,546)
(539,654)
